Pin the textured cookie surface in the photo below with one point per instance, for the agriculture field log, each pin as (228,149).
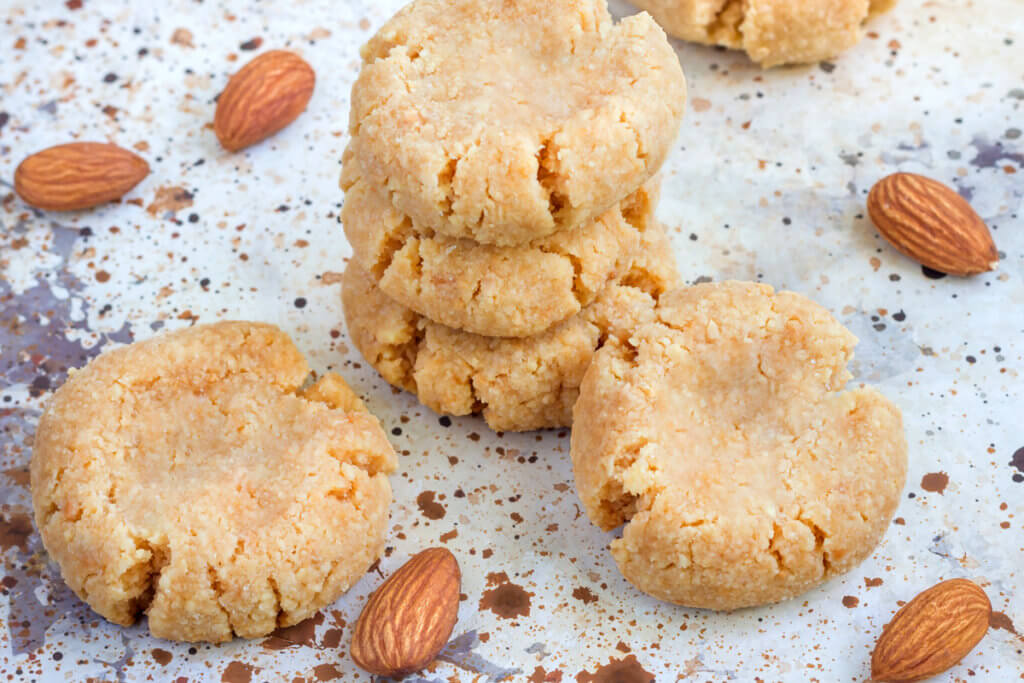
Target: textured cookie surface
(772,32)
(188,477)
(517,384)
(721,437)
(490,290)
(507,121)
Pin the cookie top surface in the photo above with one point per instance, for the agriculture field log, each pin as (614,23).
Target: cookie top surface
(190,477)
(772,32)
(720,435)
(517,384)
(488,290)
(507,121)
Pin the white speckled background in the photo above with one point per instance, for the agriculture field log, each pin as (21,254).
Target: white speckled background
(767,182)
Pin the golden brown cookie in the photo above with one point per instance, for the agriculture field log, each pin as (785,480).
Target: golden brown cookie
(190,478)
(484,289)
(720,435)
(517,384)
(772,32)
(503,122)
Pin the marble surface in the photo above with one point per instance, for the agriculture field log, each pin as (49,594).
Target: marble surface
(767,182)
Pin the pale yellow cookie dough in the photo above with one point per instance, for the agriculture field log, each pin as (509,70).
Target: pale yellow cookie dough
(721,436)
(489,290)
(517,384)
(190,479)
(503,122)
(772,32)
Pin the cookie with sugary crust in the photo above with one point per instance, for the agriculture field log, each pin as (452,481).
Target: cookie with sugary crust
(772,32)
(503,122)
(517,384)
(721,437)
(494,291)
(191,478)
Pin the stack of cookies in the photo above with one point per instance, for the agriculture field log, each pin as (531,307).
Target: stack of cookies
(499,199)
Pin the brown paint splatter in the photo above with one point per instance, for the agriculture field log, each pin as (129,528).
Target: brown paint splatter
(162,657)
(540,675)
(1001,620)
(445,537)
(102,276)
(872,583)
(427,505)
(15,528)
(584,594)
(302,633)
(1018,460)
(332,638)
(506,599)
(168,200)
(935,482)
(326,672)
(19,475)
(626,670)
(237,672)
(850,601)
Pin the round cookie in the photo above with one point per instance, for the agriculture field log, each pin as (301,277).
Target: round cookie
(489,290)
(772,32)
(720,435)
(190,478)
(517,384)
(503,122)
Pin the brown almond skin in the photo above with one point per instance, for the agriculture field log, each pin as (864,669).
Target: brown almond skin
(931,224)
(932,632)
(78,175)
(407,621)
(264,96)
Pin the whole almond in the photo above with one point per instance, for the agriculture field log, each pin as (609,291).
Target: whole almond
(78,175)
(932,632)
(266,95)
(931,224)
(407,621)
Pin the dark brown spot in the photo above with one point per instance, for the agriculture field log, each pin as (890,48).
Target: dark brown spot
(872,583)
(102,276)
(1018,460)
(302,633)
(332,638)
(626,670)
(541,675)
(584,594)
(162,657)
(15,528)
(935,482)
(1001,620)
(326,672)
(505,599)
(251,44)
(237,672)
(427,505)
(850,601)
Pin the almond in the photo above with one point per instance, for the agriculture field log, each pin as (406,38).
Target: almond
(409,618)
(931,224)
(78,175)
(266,95)
(932,632)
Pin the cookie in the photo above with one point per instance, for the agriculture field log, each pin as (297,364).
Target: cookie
(489,290)
(503,122)
(190,478)
(772,32)
(721,436)
(517,384)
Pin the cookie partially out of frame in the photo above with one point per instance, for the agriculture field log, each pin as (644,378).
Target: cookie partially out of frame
(504,122)
(516,384)
(720,435)
(772,32)
(484,289)
(190,478)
